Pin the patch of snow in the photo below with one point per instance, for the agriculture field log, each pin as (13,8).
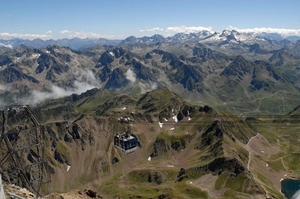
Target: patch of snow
(36,55)
(191,182)
(124,108)
(160,124)
(149,159)
(285,175)
(281,179)
(112,54)
(47,51)
(189,119)
(172,128)
(175,118)
(68,168)
(166,119)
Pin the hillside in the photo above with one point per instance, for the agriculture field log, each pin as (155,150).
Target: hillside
(185,151)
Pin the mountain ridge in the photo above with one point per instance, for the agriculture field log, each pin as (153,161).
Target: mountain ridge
(79,43)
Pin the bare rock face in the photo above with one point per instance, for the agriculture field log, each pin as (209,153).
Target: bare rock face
(91,193)
(155,177)
(60,157)
(159,146)
(11,74)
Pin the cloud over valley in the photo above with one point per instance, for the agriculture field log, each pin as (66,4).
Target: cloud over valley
(85,80)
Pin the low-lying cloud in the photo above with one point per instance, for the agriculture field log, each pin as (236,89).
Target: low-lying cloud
(8,45)
(153,85)
(130,75)
(85,81)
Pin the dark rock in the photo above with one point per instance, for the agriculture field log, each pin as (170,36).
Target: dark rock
(180,116)
(75,131)
(155,177)
(158,147)
(46,61)
(114,160)
(60,157)
(162,196)
(32,156)
(68,138)
(105,59)
(4,60)
(178,144)
(11,74)
(116,80)
(91,193)
(181,175)
(105,73)
(205,109)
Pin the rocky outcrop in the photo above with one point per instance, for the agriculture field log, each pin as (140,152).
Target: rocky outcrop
(61,158)
(11,74)
(188,76)
(105,59)
(45,61)
(181,175)
(220,165)
(155,177)
(4,60)
(116,80)
(159,147)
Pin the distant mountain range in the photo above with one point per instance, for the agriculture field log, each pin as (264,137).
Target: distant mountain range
(243,72)
(203,37)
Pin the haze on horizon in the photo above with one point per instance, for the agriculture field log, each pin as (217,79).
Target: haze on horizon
(120,19)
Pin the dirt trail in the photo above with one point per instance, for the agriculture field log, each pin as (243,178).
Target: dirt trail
(250,150)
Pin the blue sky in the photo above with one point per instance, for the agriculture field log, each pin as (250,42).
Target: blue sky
(122,18)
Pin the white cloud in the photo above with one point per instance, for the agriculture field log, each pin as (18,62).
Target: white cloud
(8,46)
(83,34)
(130,75)
(7,35)
(155,29)
(282,31)
(85,81)
(187,29)
(65,32)
(153,85)
(49,32)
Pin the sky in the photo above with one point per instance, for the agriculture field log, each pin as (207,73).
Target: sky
(118,19)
